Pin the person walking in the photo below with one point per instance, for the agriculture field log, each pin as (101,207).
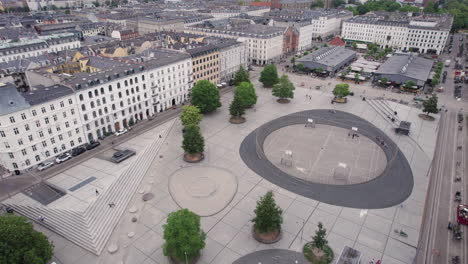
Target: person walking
(97,192)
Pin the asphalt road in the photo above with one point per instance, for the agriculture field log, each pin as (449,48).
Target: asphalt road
(13,185)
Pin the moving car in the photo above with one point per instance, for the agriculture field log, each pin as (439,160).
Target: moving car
(122,155)
(77,151)
(63,157)
(121,132)
(45,165)
(92,145)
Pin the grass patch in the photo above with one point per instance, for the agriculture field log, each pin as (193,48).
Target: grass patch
(325,258)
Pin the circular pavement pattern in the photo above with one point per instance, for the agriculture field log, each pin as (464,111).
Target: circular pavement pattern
(391,187)
(271,256)
(325,154)
(203,190)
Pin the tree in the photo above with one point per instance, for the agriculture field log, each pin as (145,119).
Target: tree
(354,45)
(67,12)
(20,243)
(383,81)
(410,84)
(435,81)
(269,76)
(246,92)
(237,109)
(319,69)
(96,4)
(300,67)
(268,216)
(337,3)
(190,116)
(284,88)
(193,142)
(317,4)
(430,106)
(341,90)
(319,239)
(431,7)
(241,76)
(184,236)
(343,75)
(205,96)
(293,60)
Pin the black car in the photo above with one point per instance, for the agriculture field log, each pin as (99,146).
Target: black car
(93,145)
(77,151)
(122,155)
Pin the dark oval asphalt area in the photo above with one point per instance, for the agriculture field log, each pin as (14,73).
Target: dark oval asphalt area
(392,187)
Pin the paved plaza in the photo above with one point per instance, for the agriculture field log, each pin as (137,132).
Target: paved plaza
(229,231)
(325,154)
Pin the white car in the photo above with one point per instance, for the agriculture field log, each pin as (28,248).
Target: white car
(121,132)
(63,157)
(45,165)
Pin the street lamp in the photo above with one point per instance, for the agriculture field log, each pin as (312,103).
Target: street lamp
(185,252)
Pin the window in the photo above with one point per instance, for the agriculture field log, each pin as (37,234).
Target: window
(62,104)
(44,144)
(23,151)
(37,158)
(47,153)
(2,133)
(34,148)
(46,120)
(72,143)
(79,140)
(23,116)
(72,111)
(55,150)
(70,101)
(16,131)
(34,113)
(52,140)
(110,88)
(12,119)
(7,145)
(43,110)
(27,162)
(55,117)
(11,155)
(30,137)
(52,107)
(26,127)
(14,165)
(20,141)
(81,97)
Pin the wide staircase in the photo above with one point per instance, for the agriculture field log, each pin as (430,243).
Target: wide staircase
(382,107)
(92,228)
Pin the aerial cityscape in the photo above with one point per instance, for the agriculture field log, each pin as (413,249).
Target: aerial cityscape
(233,131)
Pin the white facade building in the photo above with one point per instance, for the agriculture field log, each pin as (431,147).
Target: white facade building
(422,34)
(232,55)
(264,44)
(48,120)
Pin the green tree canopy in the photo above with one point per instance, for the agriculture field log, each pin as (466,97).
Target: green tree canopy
(193,140)
(190,115)
(268,216)
(300,67)
(341,90)
(319,69)
(246,92)
(430,106)
(205,96)
(410,84)
(317,4)
(21,244)
(431,7)
(319,240)
(384,80)
(284,88)
(269,75)
(293,60)
(183,235)
(237,107)
(241,76)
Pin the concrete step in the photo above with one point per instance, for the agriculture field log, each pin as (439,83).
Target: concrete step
(92,228)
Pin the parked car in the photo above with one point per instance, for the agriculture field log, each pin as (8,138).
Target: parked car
(77,151)
(63,157)
(122,155)
(45,165)
(92,144)
(121,132)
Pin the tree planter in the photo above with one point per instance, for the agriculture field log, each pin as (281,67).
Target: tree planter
(426,117)
(340,100)
(268,238)
(193,158)
(283,101)
(176,261)
(237,120)
(317,256)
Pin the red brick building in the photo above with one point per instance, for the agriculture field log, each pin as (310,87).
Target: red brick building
(290,40)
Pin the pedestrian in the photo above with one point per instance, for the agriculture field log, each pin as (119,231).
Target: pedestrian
(112,142)
(372,261)
(41,218)
(97,192)
(160,136)
(111,205)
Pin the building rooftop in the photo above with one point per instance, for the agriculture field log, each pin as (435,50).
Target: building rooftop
(41,94)
(328,55)
(407,65)
(10,99)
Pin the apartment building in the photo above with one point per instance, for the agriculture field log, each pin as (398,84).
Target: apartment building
(35,47)
(62,111)
(263,43)
(304,29)
(205,63)
(146,25)
(425,34)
